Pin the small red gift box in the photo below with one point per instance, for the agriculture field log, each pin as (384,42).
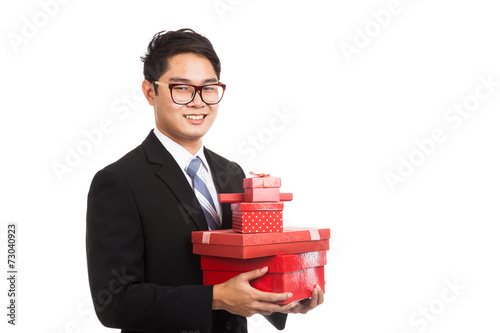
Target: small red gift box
(251,217)
(259,221)
(259,182)
(230,244)
(299,283)
(262,194)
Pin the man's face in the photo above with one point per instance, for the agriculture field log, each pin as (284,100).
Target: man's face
(185,124)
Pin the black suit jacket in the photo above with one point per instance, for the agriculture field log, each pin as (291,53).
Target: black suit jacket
(142,272)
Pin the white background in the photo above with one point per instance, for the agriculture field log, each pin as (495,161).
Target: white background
(350,120)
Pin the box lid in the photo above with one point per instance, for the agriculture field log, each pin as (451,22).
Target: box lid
(289,235)
(262,182)
(258,251)
(257,206)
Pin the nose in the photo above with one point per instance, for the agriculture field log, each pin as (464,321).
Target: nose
(197,101)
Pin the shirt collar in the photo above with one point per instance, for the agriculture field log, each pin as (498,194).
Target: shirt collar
(179,153)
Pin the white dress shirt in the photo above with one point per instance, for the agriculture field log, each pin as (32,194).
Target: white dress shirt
(183,158)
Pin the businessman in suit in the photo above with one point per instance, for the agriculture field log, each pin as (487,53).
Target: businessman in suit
(142,209)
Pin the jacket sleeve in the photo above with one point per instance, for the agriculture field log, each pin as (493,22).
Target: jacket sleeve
(278,320)
(115,259)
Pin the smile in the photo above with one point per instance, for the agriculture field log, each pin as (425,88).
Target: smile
(195,117)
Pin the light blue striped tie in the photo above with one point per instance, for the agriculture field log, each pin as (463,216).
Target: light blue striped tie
(203,194)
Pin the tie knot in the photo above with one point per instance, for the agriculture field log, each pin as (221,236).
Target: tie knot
(194,167)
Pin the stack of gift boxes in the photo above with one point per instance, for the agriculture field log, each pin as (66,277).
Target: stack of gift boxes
(295,257)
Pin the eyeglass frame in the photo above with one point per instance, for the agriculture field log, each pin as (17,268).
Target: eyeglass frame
(196,89)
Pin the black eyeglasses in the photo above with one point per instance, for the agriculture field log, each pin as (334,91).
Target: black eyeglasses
(184,93)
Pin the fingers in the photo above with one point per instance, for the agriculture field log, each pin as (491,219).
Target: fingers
(306,305)
(264,296)
(316,299)
(266,308)
(321,296)
(261,295)
(237,296)
(257,273)
(272,297)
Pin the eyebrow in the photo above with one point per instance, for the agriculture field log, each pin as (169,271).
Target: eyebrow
(184,80)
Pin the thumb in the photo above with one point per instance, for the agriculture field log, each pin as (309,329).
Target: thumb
(257,273)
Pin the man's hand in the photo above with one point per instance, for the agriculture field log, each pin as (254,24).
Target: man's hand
(239,297)
(306,305)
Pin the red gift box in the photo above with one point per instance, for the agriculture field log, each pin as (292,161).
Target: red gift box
(295,273)
(285,263)
(300,283)
(262,194)
(258,221)
(251,217)
(230,244)
(259,182)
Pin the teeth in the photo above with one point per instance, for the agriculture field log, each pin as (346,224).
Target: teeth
(194,117)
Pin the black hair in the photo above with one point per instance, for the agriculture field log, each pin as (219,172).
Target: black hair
(165,45)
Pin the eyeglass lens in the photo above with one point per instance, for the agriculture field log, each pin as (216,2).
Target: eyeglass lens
(209,94)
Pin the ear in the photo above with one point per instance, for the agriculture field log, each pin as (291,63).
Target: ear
(148,90)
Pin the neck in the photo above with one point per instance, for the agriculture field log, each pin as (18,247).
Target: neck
(191,145)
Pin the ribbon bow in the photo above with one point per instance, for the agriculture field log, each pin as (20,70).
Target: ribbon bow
(260,175)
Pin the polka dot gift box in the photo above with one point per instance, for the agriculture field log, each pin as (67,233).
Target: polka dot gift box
(251,217)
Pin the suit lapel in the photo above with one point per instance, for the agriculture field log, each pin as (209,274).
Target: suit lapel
(174,178)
